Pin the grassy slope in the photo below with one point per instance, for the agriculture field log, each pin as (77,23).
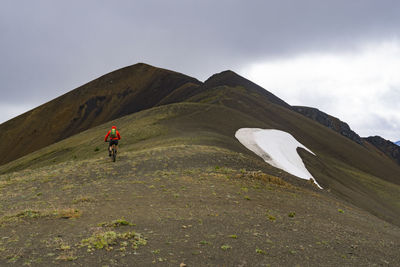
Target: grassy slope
(193,192)
(111,96)
(253,103)
(342,166)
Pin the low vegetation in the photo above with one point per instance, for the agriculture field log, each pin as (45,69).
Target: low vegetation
(68,213)
(109,240)
(116,223)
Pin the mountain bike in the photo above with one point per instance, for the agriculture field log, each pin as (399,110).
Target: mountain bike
(113,152)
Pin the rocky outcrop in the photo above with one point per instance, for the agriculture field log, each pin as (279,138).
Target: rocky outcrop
(389,148)
(330,122)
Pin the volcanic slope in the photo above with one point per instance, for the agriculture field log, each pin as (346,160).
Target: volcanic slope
(183,190)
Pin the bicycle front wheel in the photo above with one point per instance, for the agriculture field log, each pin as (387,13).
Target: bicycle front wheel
(114,155)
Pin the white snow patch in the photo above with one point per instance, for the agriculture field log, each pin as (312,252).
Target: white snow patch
(277,148)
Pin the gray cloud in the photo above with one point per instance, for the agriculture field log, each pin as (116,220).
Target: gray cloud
(50,47)
(389,127)
(391,98)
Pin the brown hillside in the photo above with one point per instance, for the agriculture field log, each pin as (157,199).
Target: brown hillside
(111,96)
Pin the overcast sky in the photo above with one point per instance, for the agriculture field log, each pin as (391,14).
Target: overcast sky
(340,56)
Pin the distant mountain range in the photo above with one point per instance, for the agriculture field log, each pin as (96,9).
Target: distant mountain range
(398,143)
(209,113)
(389,148)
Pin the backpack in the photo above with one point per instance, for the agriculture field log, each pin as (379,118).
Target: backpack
(113,133)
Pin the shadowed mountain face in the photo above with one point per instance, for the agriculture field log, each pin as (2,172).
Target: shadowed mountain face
(111,96)
(208,113)
(330,122)
(390,149)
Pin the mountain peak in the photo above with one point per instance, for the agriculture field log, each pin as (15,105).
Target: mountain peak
(226,77)
(232,79)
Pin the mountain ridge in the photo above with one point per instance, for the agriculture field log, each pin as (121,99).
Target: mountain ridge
(330,122)
(339,164)
(389,148)
(115,90)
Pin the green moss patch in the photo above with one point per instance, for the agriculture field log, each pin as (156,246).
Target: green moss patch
(110,239)
(116,223)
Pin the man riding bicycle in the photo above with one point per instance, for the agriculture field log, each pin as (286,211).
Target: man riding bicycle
(114,137)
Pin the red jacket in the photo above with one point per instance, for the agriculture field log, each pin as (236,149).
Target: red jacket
(112,138)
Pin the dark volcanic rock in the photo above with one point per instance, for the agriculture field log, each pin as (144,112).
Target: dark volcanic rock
(330,122)
(389,148)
